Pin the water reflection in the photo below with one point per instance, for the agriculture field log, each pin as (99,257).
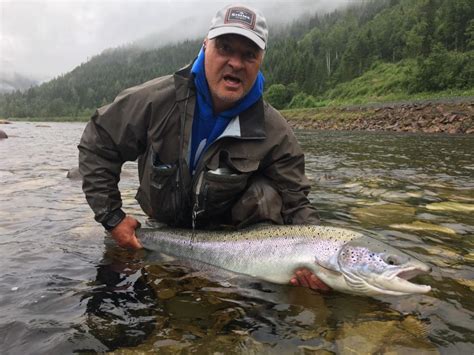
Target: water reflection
(120,305)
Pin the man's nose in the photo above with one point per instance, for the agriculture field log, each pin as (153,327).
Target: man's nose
(236,61)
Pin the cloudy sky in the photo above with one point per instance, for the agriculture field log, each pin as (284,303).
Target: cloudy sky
(45,38)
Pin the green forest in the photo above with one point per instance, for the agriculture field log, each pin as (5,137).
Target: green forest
(371,51)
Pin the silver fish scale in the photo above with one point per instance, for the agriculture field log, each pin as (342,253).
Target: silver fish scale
(264,232)
(254,251)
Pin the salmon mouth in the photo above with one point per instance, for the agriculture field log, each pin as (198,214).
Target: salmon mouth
(394,282)
(411,273)
(399,281)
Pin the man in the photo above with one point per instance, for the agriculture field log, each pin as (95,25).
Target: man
(210,151)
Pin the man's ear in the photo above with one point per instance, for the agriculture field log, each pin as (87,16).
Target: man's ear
(204,44)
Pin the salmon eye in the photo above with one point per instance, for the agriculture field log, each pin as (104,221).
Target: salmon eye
(392,260)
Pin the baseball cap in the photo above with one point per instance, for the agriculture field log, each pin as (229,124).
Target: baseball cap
(241,20)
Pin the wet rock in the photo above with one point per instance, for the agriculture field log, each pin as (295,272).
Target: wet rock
(3,135)
(74,174)
(5,122)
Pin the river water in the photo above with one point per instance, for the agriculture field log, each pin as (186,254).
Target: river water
(64,287)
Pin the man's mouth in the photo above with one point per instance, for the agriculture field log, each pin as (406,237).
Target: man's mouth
(232,80)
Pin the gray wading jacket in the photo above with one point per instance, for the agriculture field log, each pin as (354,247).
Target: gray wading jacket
(152,122)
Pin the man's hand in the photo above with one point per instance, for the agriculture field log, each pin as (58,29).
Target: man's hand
(305,278)
(124,233)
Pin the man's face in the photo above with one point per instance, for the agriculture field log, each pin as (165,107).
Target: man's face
(231,63)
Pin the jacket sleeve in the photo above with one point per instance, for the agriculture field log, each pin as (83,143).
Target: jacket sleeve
(286,168)
(115,134)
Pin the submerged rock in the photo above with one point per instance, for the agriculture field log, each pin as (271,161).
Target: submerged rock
(380,337)
(451,207)
(469,257)
(423,226)
(443,256)
(467,283)
(3,135)
(384,214)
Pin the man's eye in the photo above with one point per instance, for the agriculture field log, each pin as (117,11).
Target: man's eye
(225,48)
(250,56)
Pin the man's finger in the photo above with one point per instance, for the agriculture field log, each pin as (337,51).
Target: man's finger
(131,243)
(302,279)
(318,284)
(136,243)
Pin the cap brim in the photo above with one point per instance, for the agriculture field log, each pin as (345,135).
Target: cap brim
(224,30)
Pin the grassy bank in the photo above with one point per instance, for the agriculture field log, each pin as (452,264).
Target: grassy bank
(320,114)
(397,98)
(383,83)
(386,82)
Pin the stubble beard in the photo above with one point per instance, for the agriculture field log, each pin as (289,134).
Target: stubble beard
(230,99)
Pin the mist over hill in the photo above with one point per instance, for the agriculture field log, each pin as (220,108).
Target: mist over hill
(43,39)
(401,45)
(15,81)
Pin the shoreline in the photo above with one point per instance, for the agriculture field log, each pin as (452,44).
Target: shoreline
(449,115)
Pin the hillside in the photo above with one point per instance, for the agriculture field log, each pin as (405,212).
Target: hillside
(372,51)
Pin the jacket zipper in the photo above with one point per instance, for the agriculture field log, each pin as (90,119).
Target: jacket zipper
(196,210)
(179,176)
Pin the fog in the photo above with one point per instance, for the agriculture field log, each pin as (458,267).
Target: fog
(41,39)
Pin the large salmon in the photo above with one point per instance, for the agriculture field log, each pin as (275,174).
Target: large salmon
(345,260)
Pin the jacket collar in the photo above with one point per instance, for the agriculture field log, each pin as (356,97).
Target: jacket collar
(252,120)
(183,82)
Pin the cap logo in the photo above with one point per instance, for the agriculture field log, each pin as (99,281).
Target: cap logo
(240,15)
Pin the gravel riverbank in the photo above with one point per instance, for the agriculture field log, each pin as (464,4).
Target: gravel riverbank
(451,116)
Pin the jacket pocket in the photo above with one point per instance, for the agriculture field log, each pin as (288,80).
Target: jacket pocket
(163,193)
(221,190)
(222,187)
